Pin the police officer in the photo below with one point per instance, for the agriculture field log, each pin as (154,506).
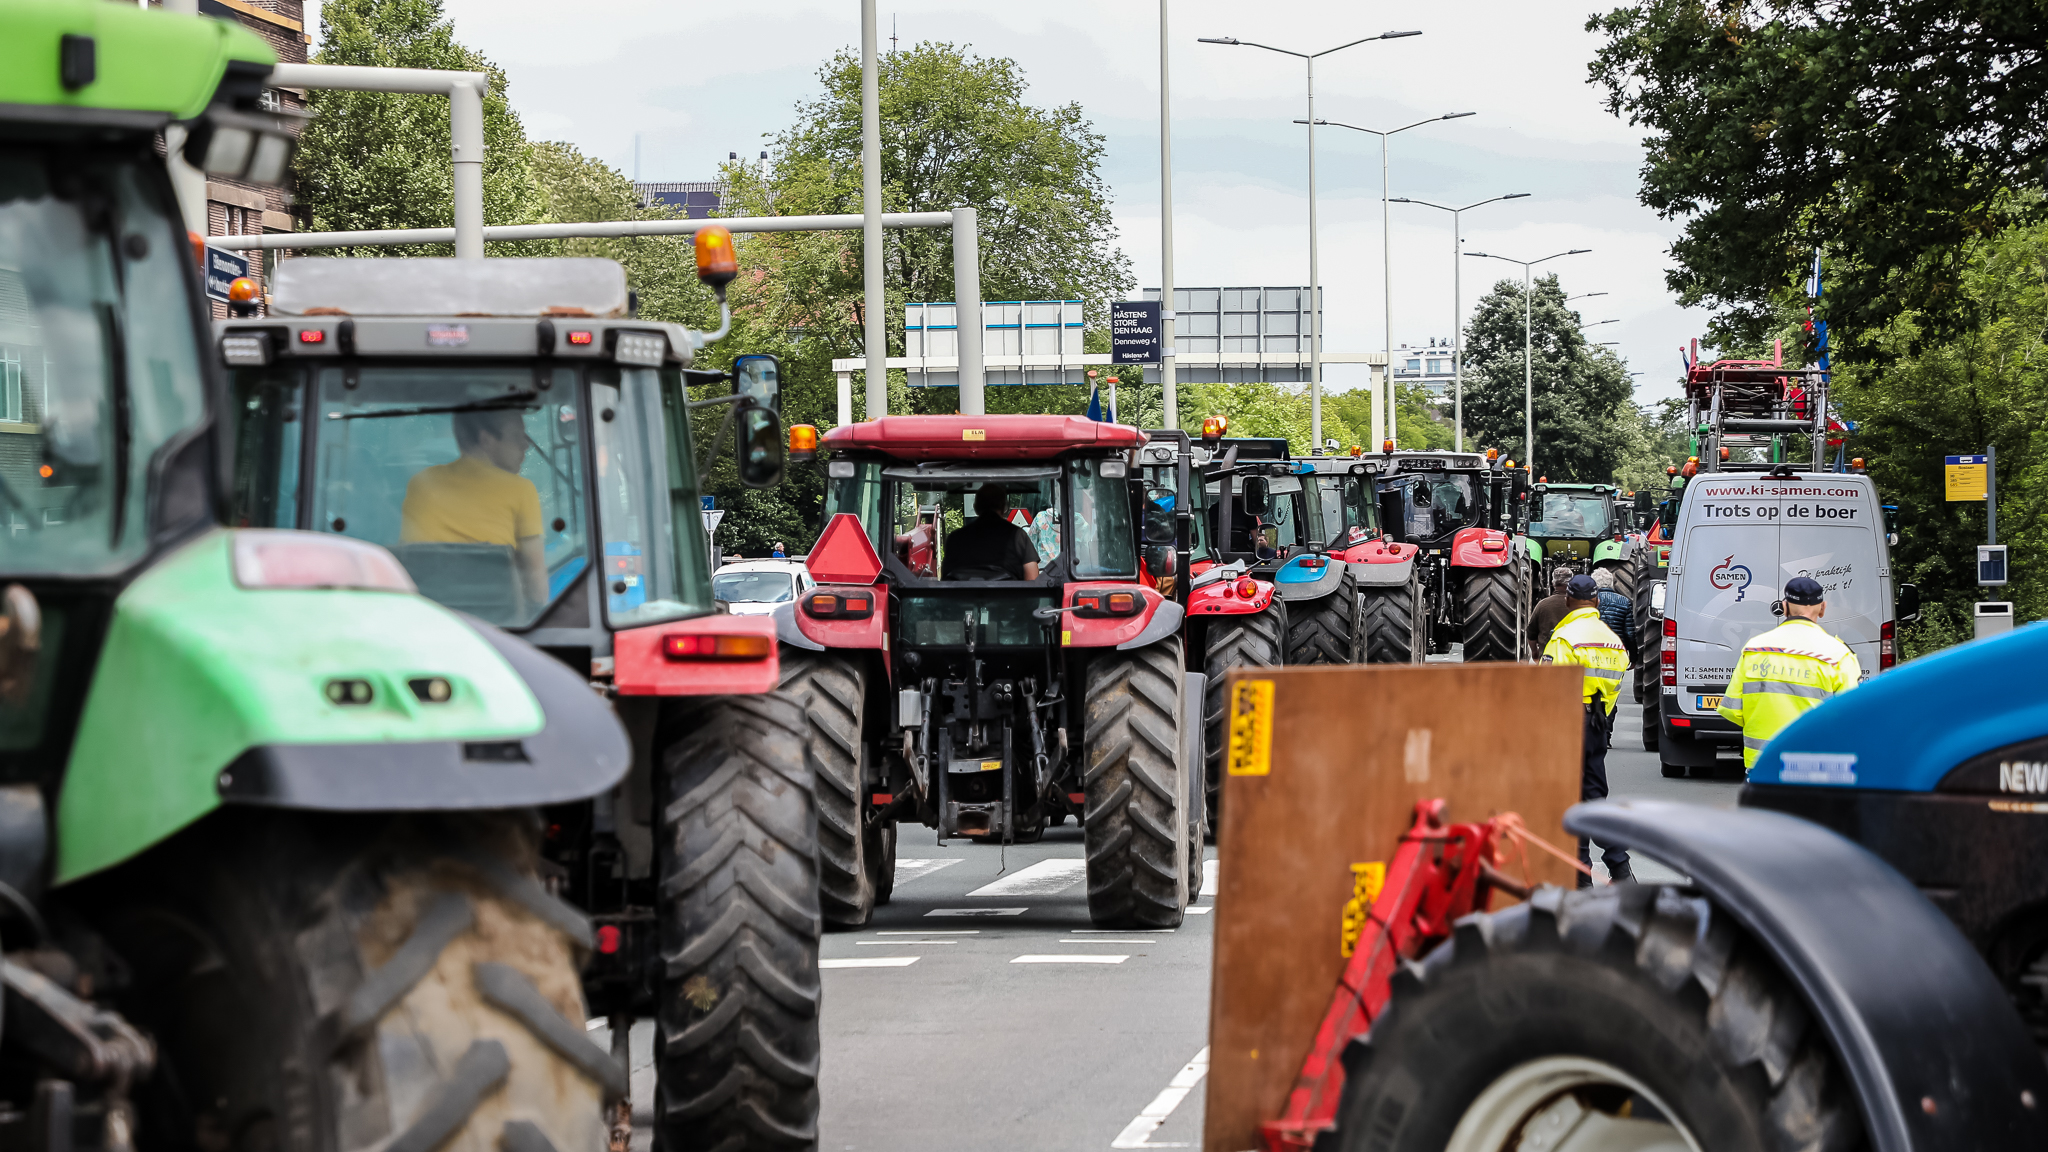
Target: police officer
(1788,670)
(1582,639)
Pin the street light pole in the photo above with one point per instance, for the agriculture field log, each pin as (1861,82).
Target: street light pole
(1387,247)
(1169,396)
(1458,303)
(1528,341)
(1315,283)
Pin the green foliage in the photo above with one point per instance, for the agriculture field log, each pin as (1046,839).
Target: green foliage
(1656,438)
(1263,410)
(376,160)
(1582,392)
(1889,133)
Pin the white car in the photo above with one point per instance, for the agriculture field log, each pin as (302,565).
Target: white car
(755,587)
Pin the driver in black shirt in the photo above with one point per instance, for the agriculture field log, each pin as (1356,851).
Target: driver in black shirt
(989,547)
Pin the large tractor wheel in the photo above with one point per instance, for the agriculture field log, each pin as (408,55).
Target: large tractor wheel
(1326,630)
(1649,635)
(1486,610)
(1615,1017)
(881,860)
(829,687)
(737,1045)
(1392,622)
(1255,640)
(321,981)
(1129,743)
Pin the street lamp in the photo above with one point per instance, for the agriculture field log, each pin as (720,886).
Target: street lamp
(1528,325)
(1583,296)
(1315,284)
(1458,306)
(1386,242)
(1596,324)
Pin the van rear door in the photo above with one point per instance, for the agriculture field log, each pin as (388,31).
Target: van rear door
(1828,529)
(1726,564)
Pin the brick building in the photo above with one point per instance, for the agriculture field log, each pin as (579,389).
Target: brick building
(232,207)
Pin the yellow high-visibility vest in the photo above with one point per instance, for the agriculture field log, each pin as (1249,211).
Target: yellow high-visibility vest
(1783,673)
(1582,638)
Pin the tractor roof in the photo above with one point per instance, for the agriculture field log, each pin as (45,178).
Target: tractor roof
(161,64)
(440,286)
(1010,437)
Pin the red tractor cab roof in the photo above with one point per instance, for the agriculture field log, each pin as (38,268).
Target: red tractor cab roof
(1013,437)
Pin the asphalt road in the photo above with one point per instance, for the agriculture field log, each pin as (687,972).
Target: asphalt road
(980,1009)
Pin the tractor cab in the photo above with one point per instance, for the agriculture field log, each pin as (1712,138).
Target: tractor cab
(1583,525)
(1464,513)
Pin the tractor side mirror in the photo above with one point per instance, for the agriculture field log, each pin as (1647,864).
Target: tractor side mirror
(760,377)
(1644,506)
(1908,611)
(1256,496)
(1159,526)
(1667,517)
(760,448)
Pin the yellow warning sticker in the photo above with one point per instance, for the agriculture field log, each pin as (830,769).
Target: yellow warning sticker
(991,765)
(974,433)
(1366,881)
(1066,638)
(1251,728)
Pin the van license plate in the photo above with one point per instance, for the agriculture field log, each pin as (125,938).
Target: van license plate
(1709,703)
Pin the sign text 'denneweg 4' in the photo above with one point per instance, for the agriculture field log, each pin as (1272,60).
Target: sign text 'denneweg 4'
(1136,333)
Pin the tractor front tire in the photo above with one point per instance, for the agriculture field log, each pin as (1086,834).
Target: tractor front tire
(326,981)
(1486,611)
(829,687)
(736,1049)
(1615,1016)
(1129,745)
(1255,640)
(1392,622)
(1326,630)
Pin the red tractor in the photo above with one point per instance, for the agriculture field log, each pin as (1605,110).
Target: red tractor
(1466,513)
(986,654)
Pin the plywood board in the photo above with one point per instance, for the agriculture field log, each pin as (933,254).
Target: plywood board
(1352,750)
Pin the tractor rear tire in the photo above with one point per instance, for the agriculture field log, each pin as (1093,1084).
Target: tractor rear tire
(1652,713)
(1624,577)
(736,1046)
(329,981)
(1629,1008)
(1327,630)
(1486,609)
(829,687)
(881,860)
(1255,640)
(1129,745)
(1392,622)
(1649,635)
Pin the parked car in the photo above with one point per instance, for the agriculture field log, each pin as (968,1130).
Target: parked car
(755,587)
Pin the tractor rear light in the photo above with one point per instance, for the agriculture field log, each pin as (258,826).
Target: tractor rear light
(712,646)
(837,606)
(312,335)
(1247,588)
(280,558)
(1886,651)
(581,339)
(608,938)
(647,349)
(245,349)
(1096,604)
(1314,562)
(881,799)
(1681,721)
(1493,545)
(1077,798)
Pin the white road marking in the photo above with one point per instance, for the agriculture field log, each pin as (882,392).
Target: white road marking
(1107,939)
(870,962)
(929,932)
(908,870)
(1121,931)
(1208,878)
(977,912)
(1200,909)
(896,943)
(1137,1134)
(1045,878)
(1077,958)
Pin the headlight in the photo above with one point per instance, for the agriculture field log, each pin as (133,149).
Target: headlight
(241,146)
(649,348)
(245,349)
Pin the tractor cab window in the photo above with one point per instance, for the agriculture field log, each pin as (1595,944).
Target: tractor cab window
(980,523)
(99,356)
(655,562)
(1283,527)
(1349,512)
(1105,544)
(1431,505)
(1570,514)
(472,474)
(1162,478)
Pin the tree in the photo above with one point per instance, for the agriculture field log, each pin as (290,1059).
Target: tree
(377,160)
(1890,133)
(1419,420)
(1264,410)
(1582,392)
(1656,439)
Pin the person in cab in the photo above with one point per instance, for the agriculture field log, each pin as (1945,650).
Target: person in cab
(480,497)
(989,547)
(1787,671)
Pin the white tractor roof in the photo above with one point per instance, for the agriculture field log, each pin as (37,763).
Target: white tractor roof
(443,286)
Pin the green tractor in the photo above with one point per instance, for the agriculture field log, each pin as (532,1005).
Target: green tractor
(270,870)
(1585,526)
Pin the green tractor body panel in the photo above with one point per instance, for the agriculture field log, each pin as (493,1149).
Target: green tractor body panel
(1614,550)
(142,61)
(196,670)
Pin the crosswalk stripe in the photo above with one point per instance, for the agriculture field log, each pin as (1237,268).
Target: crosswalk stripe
(1045,878)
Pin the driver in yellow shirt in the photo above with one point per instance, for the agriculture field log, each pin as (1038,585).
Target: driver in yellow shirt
(480,497)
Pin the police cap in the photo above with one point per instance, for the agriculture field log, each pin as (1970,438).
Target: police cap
(1804,590)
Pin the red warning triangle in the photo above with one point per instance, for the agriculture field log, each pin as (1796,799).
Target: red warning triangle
(1020,518)
(843,554)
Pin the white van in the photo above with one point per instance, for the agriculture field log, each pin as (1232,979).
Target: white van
(1738,538)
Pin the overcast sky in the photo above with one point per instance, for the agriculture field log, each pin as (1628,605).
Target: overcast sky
(694,82)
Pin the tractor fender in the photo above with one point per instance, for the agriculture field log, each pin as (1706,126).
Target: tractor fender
(1469,548)
(1931,1044)
(799,630)
(789,631)
(1610,549)
(1297,581)
(1211,599)
(1078,631)
(1166,621)
(1378,563)
(640,667)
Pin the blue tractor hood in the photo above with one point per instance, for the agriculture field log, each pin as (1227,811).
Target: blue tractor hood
(1906,729)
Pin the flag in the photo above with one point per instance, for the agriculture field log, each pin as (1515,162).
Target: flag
(1095,406)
